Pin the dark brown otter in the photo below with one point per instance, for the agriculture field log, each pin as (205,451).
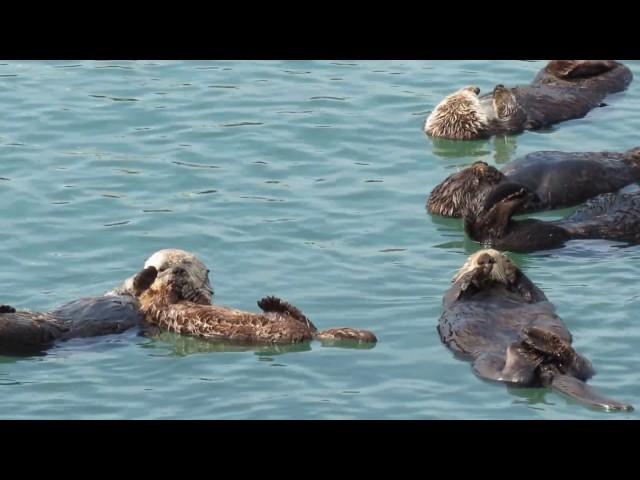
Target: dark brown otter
(563,90)
(495,317)
(280,323)
(28,333)
(559,179)
(611,216)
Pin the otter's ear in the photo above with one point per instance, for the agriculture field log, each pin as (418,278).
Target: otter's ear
(504,101)
(508,190)
(144,279)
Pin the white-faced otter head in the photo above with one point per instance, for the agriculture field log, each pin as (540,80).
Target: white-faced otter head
(463,190)
(488,265)
(458,117)
(196,272)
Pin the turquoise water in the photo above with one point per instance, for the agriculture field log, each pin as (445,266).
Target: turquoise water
(305,180)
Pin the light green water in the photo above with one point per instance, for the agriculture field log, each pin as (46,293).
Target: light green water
(305,180)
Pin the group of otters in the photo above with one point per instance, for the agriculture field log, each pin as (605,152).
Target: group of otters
(493,314)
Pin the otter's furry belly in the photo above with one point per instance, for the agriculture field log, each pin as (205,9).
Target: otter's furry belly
(222,323)
(489,324)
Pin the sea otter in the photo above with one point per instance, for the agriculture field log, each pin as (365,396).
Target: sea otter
(559,179)
(165,305)
(495,317)
(562,90)
(611,216)
(26,332)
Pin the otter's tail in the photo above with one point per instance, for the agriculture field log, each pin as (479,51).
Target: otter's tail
(610,216)
(578,390)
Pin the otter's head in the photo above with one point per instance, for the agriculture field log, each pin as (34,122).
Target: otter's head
(487,266)
(197,274)
(458,117)
(171,285)
(492,221)
(463,190)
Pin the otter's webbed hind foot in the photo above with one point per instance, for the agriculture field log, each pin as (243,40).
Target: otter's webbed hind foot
(345,336)
(577,389)
(7,309)
(559,351)
(275,304)
(518,366)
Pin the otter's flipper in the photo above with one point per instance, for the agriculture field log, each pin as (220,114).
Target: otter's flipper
(7,309)
(349,334)
(574,69)
(582,392)
(559,351)
(275,304)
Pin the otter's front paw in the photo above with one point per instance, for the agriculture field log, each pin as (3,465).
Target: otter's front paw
(7,309)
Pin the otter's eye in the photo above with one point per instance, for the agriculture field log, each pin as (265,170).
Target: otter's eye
(162,269)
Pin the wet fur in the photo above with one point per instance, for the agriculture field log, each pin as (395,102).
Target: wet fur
(612,216)
(562,90)
(496,318)
(26,333)
(164,305)
(559,179)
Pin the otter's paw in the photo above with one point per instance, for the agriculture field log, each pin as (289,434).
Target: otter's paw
(143,280)
(7,309)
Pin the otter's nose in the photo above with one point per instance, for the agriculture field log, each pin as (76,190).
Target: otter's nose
(179,271)
(473,89)
(485,260)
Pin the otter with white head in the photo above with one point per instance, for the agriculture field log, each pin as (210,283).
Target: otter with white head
(495,317)
(563,90)
(24,332)
(165,304)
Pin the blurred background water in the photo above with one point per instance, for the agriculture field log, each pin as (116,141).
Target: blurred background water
(302,179)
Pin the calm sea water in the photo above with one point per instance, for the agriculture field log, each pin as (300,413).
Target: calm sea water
(305,180)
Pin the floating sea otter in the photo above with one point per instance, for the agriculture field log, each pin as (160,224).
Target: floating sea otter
(164,305)
(498,319)
(563,90)
(558,179)
(25,332)
(611,216)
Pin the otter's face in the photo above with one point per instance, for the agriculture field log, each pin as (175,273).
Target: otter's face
(171,285)
(196,275)
(197,272)
(458,117)
(463,190)
(485,266)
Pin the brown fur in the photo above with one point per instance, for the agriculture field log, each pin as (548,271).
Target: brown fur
(163,305)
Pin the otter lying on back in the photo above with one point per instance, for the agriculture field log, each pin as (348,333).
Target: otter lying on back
(611,216)
(25,332)
(164,305)
(563,90)
(495,317)
(558,179)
